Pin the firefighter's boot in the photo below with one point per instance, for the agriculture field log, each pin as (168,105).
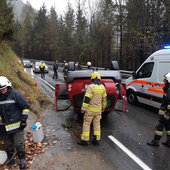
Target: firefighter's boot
(82,143)
(167,143)
(94,141)
(154,142)
(10,159)
(22,160)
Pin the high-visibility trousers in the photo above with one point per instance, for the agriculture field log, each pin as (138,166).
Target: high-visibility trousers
(87,120)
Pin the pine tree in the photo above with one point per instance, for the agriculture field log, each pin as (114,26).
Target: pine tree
(6,21)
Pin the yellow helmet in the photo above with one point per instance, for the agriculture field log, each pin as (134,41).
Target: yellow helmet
(95,75)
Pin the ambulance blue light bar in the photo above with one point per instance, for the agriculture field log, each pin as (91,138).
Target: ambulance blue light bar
(167,47)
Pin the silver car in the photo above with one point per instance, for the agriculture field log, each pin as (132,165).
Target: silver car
(36,67)
(27,63)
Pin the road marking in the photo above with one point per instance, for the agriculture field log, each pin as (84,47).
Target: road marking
(32,73)
(45,82)
(129,153)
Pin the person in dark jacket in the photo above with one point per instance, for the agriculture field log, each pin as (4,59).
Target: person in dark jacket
(164,116)
(14,111)
(78,66)
(65,70)
(55,69)
(89,67)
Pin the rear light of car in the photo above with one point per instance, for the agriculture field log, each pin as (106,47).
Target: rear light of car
(69,87)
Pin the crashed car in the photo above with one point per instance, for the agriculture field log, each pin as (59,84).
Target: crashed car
(77,82)
(36,67)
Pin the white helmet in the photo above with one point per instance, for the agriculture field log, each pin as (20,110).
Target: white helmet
(88,63)
(4,82)
(167,77)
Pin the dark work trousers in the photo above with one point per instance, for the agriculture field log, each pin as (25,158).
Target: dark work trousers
(55,75)
(42,74)
(15,140)
(163,124)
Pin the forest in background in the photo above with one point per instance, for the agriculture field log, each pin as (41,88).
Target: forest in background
(124,30)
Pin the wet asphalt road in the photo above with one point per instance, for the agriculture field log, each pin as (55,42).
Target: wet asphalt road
(132,129)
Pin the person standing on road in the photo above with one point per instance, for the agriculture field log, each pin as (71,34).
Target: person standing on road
(65,70)
(42,69)
(164,116)
(94,103)
(14,113)
(78,66)
(55,69)
(89,65)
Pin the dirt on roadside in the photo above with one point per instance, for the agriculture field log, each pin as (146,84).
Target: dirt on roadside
(62,152)
(59,149)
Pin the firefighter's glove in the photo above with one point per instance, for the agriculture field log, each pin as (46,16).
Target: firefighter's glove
(82,111)
(161,112)
(167,115)
(168,107)
(23,124)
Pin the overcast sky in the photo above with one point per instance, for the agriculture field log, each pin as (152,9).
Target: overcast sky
(60,5)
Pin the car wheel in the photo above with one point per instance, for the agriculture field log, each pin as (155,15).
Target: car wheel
(71,66)
(114,65)
(131,97)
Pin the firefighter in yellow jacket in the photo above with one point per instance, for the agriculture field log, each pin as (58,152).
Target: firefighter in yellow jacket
(94,104)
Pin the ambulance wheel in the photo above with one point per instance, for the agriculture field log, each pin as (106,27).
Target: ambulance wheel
(131,97)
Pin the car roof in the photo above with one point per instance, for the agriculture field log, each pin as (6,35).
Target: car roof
(26,61)
(37,61)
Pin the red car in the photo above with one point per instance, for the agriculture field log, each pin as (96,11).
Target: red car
(78,80)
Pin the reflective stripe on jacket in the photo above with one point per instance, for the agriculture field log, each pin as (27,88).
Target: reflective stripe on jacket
(95,98)
(13,109)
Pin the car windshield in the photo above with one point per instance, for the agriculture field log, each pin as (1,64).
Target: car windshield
(26,61)
(37,63)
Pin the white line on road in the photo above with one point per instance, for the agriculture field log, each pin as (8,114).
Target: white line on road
(46,82)
(32,74)
(128,152)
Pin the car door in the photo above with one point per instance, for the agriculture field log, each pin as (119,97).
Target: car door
(144,81)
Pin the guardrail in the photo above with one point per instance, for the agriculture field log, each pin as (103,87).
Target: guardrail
(125,74)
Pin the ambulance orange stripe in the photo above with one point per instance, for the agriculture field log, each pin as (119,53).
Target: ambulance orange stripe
(161,85)
(156,90)
(145,82)
(137,82)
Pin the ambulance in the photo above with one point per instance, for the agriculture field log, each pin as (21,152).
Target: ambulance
(146,84)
